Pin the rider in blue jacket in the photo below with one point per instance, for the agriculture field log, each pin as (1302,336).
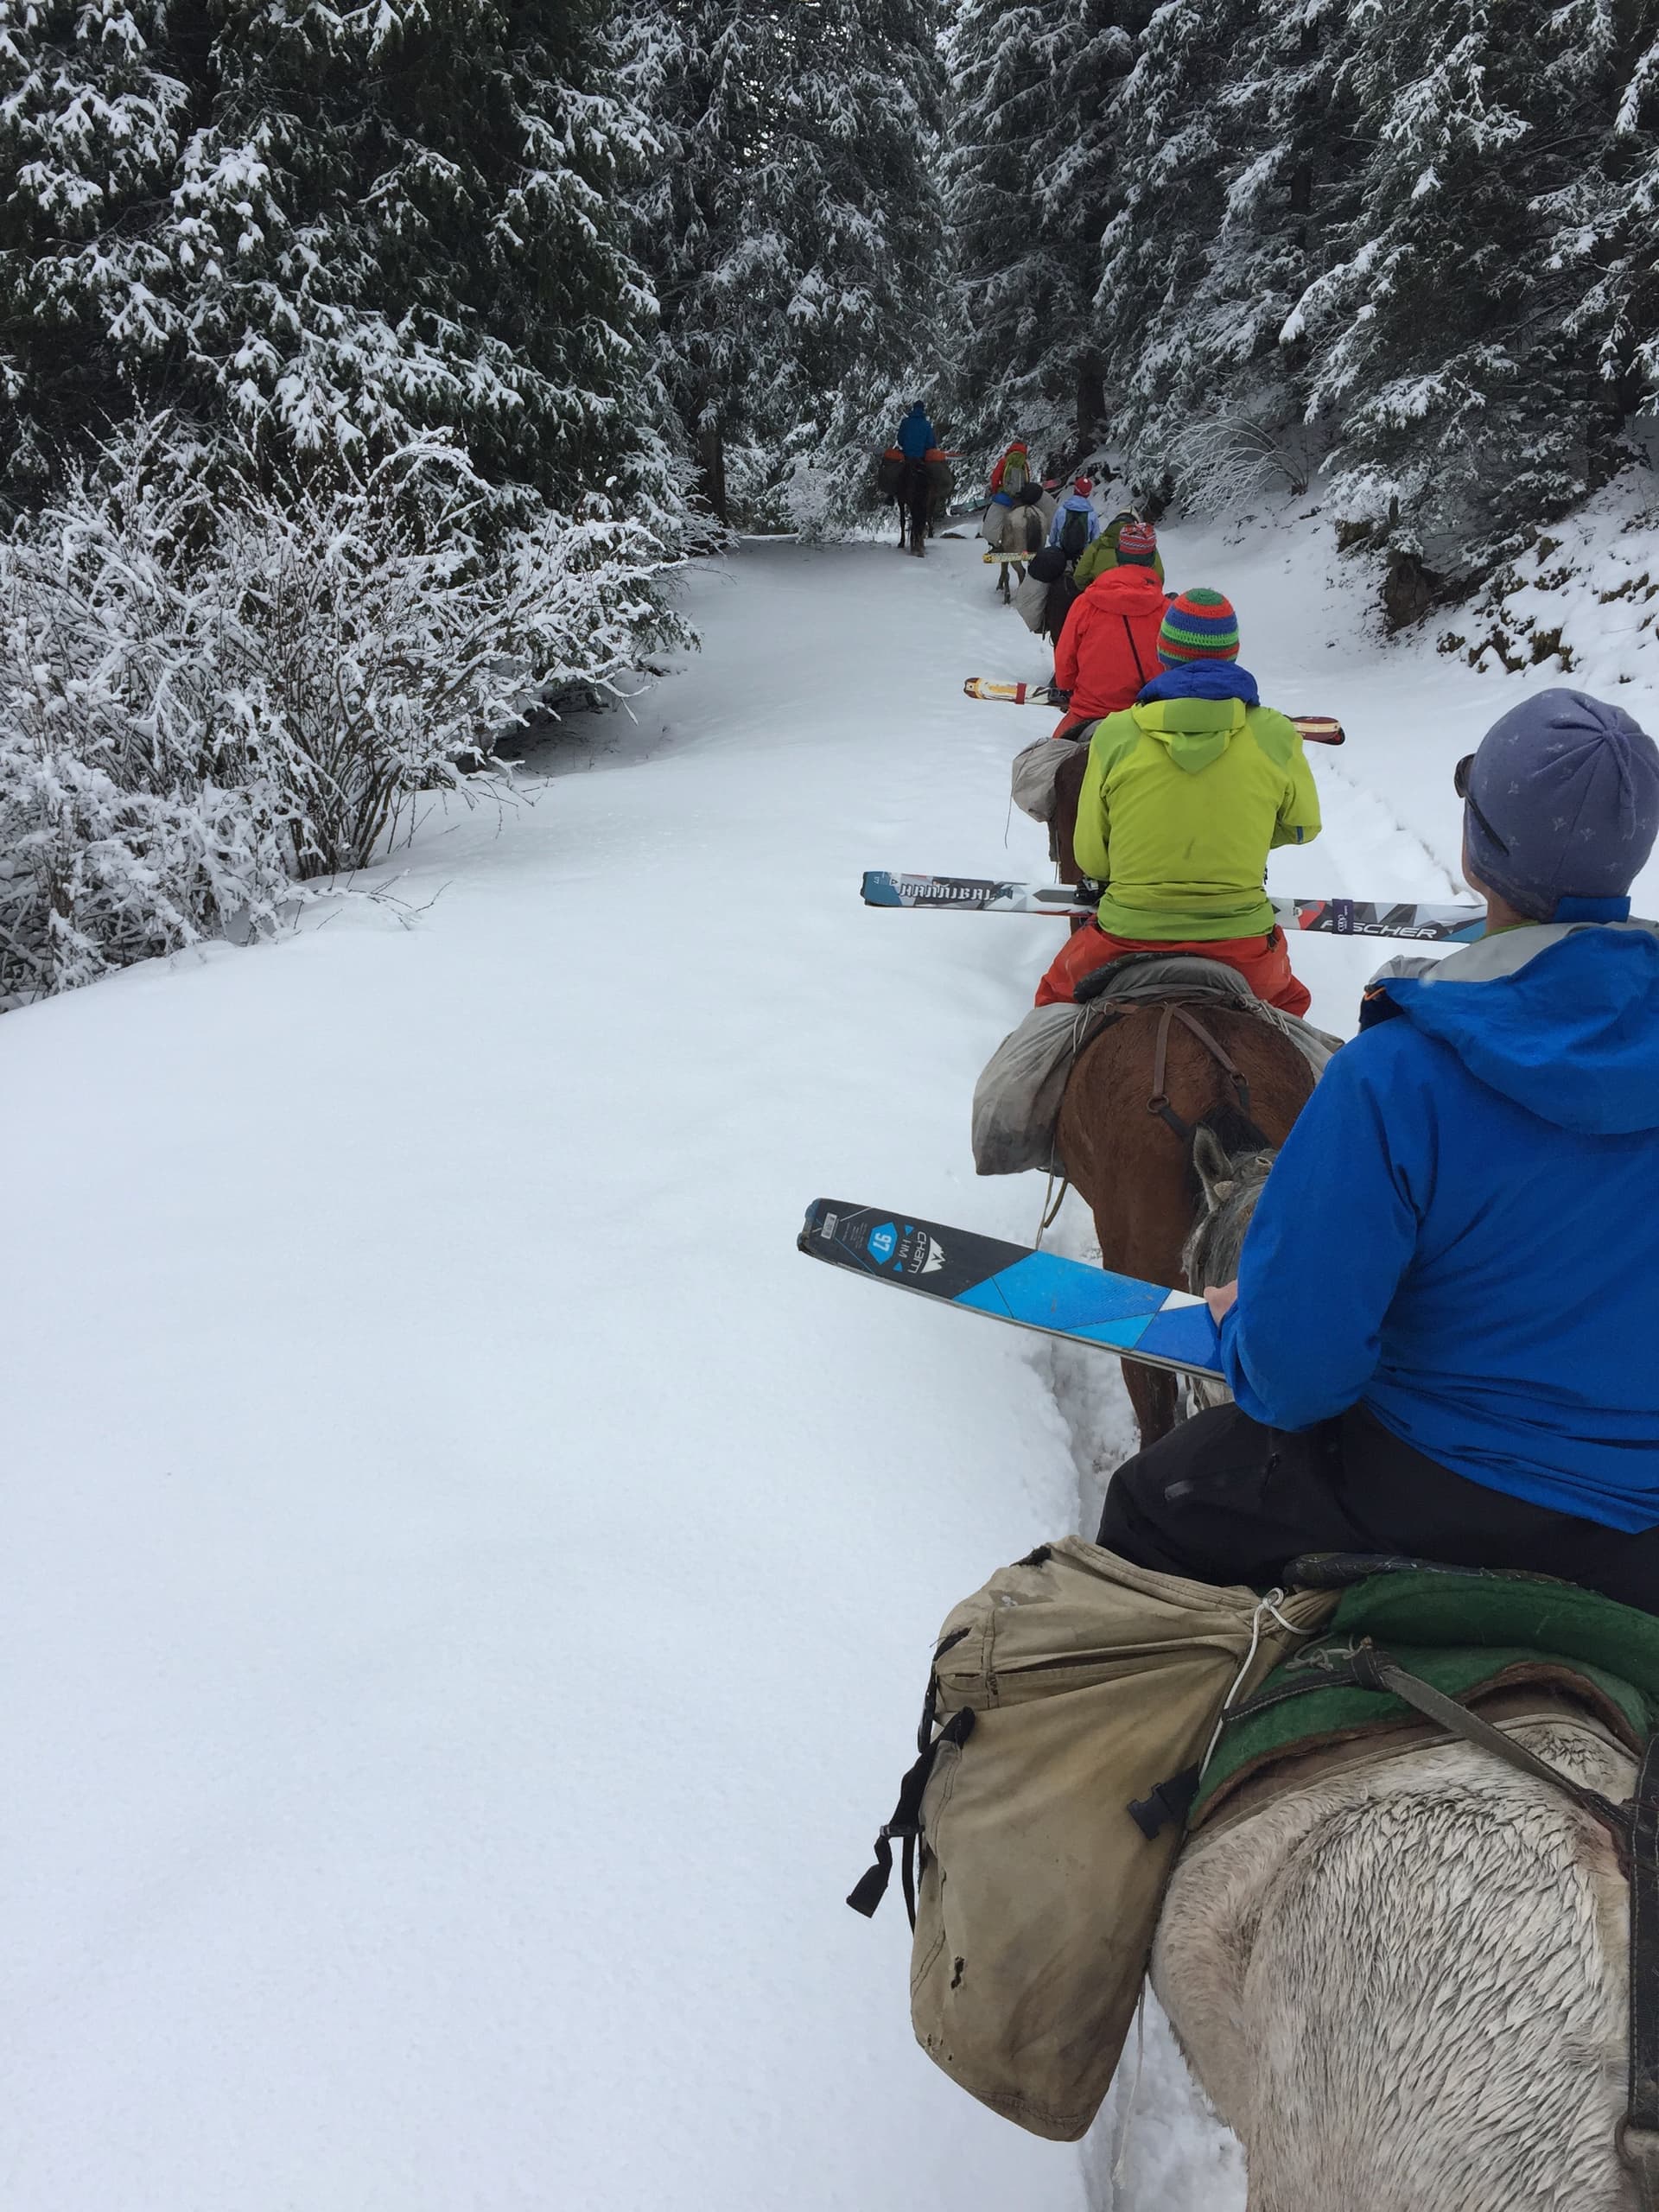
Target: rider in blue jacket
(916,433)
(1440,1339)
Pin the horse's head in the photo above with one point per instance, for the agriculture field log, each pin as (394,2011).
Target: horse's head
(1228,1184)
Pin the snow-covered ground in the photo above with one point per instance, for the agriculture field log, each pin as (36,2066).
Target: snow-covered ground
(469,1582)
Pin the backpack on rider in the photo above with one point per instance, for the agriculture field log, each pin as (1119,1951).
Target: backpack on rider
(1074,534)
(1012,472)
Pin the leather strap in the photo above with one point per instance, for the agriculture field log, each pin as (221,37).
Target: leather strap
(1639,2132)
(1172,1010)
(1374,1670)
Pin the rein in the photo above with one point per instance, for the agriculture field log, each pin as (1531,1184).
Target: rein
(1159,1102)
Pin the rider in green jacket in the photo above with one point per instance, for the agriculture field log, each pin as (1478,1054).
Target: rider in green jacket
(1095,560)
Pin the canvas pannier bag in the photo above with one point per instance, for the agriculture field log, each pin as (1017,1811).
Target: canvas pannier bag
(1035,767)
(1072,1702)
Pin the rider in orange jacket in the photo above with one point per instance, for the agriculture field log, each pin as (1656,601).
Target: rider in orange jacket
(1108,652)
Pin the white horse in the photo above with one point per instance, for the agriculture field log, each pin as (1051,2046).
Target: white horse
(1404,1983)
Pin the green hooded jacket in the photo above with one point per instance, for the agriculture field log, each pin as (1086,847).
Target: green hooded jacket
(1183,799)
(1096,559)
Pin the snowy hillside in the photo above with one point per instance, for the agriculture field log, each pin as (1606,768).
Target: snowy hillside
(470,1583)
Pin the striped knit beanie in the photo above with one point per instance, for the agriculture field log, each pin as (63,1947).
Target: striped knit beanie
(1199,626)
(1137,544)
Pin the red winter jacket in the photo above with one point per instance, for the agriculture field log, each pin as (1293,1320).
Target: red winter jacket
(1108,648)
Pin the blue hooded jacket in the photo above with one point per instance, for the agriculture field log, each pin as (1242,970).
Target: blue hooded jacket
(1462,1230)
(1075,504)
(916,433)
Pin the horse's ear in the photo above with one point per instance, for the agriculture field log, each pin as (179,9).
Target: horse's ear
(1214,1168)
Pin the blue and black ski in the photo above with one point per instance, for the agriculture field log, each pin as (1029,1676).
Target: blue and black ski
(1034,1290)
(984,894)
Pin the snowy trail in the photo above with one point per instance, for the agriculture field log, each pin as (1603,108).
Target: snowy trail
(469,1582)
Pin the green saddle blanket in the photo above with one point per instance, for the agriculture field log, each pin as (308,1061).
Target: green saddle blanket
(1468,1634)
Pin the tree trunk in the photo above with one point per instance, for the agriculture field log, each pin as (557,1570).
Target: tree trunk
(1091,401)
(711,454)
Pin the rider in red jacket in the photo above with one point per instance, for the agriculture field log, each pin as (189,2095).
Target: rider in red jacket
(1108,651)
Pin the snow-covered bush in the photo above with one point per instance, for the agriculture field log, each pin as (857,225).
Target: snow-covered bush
(1224,461)
(212,694)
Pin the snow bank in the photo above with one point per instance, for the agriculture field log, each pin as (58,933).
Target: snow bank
(470,1583)
(1582,602)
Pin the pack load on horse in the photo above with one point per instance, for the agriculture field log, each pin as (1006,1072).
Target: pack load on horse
(1205,782)
(941,486)
(1076,525)
(1107,650)
(1402,1949)
(1045,593)
(1013,530)
(1096,559)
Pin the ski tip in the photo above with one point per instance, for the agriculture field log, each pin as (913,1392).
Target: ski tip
(1320,729)
(879,888)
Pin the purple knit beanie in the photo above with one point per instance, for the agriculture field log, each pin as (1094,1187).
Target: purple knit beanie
(1562,802)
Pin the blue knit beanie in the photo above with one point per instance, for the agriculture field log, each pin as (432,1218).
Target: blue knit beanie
(1562,802)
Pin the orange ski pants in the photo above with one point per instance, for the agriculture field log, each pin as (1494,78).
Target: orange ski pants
(1263,961)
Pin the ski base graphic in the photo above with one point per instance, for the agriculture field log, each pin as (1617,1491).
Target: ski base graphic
(981,894)
(1032,1290)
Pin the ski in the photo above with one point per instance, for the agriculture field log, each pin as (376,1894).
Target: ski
(1017,695)
(975,894)
(1315,729)
(1032,1290)
(1009,560)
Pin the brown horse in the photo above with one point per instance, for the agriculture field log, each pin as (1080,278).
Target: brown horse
(1136,1170)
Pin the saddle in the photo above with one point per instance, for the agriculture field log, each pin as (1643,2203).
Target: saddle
(1416,1652)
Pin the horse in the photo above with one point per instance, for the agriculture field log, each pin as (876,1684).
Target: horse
(1403,1982)
(913,501)
(1135,1098)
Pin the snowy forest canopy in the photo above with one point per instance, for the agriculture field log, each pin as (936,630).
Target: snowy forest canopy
(366,370)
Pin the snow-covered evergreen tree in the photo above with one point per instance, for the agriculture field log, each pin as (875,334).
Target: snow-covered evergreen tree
(1451,340)
(1031,157)
(332,227)
(1228,181)
(792,229)
(328,429)
(1416,243)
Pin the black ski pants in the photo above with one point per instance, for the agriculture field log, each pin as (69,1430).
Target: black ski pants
(1223,1499)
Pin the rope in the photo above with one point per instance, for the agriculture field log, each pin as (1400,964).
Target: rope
(1050,1212)
(1267,1605)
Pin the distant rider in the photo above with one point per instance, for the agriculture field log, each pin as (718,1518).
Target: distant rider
(1184,795)
(1107,650)
(1096,559)
(1441,1340)
(916,433)
(1012,472)
(1076,525)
